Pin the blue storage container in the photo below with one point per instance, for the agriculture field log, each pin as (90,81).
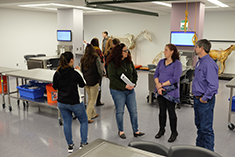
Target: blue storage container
(38,84)
(233,103)
(26,92)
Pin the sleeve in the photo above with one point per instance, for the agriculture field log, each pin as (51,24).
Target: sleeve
(212,81)
(177,72)
(114,78)
(156,74)
(135,75)
(80,79)
(55,83)
(99,66)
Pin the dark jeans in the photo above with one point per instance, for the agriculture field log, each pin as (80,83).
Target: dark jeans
(204,122)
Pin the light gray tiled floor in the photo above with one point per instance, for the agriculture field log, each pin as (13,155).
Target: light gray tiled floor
(34,133)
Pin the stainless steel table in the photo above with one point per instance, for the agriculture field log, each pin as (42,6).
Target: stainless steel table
(44,59)
(2,73)
(231,85)
(103,148)
(44,75)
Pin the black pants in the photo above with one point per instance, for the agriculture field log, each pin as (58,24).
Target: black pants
(164,105)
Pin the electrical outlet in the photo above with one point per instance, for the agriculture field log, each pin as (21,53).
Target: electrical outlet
(17,64)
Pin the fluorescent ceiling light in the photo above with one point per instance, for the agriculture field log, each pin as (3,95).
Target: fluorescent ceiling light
(162,3)
(211,7)
(41,6)
(216,2)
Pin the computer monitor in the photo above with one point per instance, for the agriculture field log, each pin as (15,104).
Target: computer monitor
(181,38)
(64,35)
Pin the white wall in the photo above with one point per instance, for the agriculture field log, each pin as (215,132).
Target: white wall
(220,26)
(31,32)
(121,24)
(26,32)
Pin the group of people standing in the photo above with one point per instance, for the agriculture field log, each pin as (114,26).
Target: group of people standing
(117,62)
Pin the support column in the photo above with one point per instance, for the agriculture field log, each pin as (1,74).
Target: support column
(72,19)
(178,14)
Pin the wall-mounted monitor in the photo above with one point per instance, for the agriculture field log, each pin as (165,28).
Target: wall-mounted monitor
(64,35)
(181,38)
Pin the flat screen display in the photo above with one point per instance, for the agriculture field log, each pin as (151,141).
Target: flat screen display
(64,35)
(180,38)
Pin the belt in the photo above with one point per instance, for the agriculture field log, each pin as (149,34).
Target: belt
(198,97)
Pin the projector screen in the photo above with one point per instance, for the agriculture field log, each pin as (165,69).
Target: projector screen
(64,35)
(180,38)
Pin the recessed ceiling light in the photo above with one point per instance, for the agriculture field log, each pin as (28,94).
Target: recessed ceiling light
(162,3)
(41,6)
(216,2)
(211,7)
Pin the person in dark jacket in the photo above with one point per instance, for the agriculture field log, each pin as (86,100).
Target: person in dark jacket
(92,71)
(66,80)
(119,62)
(95,44)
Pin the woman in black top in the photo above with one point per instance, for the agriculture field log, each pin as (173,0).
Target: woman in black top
(66,80)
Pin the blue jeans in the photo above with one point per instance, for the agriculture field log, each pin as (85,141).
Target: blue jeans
(204,123)
(122,98)
(80,112)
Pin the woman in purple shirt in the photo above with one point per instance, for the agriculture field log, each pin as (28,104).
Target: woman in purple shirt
(167,77)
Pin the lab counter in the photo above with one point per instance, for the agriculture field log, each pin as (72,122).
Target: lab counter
(102,148)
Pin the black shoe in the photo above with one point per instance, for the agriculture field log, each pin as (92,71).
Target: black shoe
(160,133)
(83,145)
(173,137)
(70,148)
(99,104)
(123,136)
(139,134)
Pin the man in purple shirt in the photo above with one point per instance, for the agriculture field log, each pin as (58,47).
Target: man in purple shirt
(205,86)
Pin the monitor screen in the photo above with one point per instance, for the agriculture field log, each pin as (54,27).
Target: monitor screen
(181,38)
(64,35)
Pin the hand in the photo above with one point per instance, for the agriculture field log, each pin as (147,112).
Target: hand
(159,91)
(158,85)
(77,67)
(203,101)
(129,87)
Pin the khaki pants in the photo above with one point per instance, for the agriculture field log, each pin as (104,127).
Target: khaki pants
(92,92)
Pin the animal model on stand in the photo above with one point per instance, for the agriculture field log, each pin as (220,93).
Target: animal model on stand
(221,56)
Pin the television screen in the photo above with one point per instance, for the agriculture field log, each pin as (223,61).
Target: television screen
(180,38)
(64,35)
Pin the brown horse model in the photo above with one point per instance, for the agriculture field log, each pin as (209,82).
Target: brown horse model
(221,56)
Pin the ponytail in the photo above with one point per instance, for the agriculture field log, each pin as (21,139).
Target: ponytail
(65,59)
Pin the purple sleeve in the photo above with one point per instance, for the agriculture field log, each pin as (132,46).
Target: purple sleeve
(212,81)
(177,72)
(156,74)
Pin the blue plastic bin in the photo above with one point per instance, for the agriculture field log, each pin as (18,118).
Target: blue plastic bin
(38,84)
(233,103)
(30,93)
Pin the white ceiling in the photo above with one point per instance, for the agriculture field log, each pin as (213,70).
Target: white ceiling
(146,6)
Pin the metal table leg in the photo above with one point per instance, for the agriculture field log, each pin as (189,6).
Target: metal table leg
(8,94)
(3,98)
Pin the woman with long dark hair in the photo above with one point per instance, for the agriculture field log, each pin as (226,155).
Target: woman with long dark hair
(166,77)
(91,69)
(119,62)
(95,44)
(66,81)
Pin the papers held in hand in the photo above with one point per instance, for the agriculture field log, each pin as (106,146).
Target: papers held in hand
(126,80)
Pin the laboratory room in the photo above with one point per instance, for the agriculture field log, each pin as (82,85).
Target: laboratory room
(117,78)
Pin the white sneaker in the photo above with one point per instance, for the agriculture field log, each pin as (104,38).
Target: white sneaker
(70,148)
(82,145)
